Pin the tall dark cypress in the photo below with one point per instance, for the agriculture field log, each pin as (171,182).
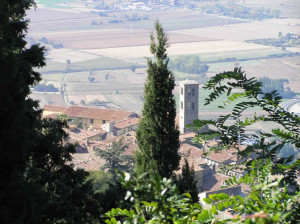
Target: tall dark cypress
(38,184)
(157,135)
(18,113)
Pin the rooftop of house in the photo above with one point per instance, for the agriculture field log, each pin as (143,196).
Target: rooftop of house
(127,122)
(55,108)
(187,150)
(90,112)
(187,81)
(222,156)
(81,134)
(214,182)
(129,139)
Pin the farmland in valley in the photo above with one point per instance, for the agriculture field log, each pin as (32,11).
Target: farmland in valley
(97,57)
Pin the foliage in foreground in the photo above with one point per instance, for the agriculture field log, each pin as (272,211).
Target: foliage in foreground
(157,200)
(273,191)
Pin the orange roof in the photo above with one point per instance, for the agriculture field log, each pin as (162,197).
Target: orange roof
(214,182)
(127,122)
(97,113)
(223,155)
(90,112)
(55,108)
(53,116)
(81,134)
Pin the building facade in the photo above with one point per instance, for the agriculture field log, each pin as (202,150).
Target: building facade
(188,111)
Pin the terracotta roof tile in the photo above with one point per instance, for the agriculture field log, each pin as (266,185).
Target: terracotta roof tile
(80,134)
(230,154)
(126,123)
(89,112)
(55,108)
(97,113)
(214,182)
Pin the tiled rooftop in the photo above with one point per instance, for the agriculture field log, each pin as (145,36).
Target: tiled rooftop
(90,112)
(214,182)
(55,108)
(126,123)
(224,155)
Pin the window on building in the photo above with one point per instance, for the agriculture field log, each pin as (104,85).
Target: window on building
(181,91)
(189,106)
(189,91)
(181,105)
(91,121)
(193,106)
(193,91)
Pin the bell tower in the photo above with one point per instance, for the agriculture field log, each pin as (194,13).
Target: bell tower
(188,112)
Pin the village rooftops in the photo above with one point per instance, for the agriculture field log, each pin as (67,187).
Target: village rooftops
(81,134)
(222,156)
(126,123)
(90,112)
(55,108)
(214,182)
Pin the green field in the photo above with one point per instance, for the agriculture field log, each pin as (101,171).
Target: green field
(223,66)
(203,94)
(53,77)
(55,3)
(104,62)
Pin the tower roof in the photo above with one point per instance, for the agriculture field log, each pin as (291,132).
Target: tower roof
(185,82)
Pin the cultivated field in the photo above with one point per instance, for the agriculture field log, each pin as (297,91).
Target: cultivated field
(206,47)
(108,38)
(245,31)
(107,51)
(63,54)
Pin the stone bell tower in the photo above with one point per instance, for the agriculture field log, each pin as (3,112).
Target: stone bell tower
(188,112)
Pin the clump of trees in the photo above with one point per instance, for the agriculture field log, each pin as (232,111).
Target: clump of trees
(239,11)
(45,88)
(115,158)
(282,41)
(268,85)
(188,64)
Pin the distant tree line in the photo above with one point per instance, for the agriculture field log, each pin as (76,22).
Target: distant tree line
(45,88)
(189,64)
(282,41)
(44,40)
(239,11)
(276,84)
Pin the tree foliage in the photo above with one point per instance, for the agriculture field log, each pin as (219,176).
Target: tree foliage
(277,198)
(38,183)
(153,200)
(114,157)
(157,134)
(189,64)
(187,182)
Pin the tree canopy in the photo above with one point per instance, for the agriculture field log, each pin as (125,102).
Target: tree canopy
(38,183)
(157,134)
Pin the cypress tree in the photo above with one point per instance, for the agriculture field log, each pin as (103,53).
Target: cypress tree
(157,135)
(38,183)
(187,182)
(18,113)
